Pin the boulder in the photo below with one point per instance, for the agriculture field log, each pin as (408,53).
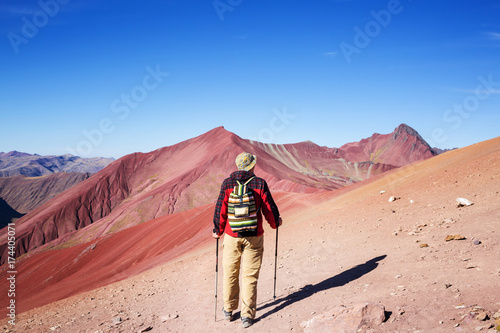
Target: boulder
(342,319)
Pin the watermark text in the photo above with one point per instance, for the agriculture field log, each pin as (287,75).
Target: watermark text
(11,272)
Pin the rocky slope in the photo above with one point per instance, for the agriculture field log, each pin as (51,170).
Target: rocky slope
(337,250)
(16,163)
(140,187)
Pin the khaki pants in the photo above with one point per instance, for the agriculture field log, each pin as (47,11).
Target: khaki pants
(247,253)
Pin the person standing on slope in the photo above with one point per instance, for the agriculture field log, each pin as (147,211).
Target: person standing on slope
(244,240)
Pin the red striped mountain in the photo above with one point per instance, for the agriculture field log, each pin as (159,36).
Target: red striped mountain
(401,147)
(142,186)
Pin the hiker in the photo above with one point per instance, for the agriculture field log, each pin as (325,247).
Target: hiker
(244,241)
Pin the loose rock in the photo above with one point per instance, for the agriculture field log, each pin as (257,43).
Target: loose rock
(344,319)
(482,316)
(393,198)
(454,237)
(168,317)
(462,202)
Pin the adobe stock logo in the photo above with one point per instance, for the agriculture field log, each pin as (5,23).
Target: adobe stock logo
(372,29)
(48,9)
(222,6)
(120,106)
(277,124)
(456,115)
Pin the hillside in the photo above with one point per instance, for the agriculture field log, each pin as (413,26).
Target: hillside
(339,248)
(23,194)
(140,187)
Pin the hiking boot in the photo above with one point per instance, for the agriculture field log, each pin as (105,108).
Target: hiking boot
(247,322)
(227,315)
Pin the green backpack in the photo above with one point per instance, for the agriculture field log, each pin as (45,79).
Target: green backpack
(241,211)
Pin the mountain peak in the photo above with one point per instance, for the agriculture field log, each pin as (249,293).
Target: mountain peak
(406,130)
(403,128)
(216,134)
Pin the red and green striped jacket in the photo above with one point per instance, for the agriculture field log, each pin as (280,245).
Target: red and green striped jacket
(263,201)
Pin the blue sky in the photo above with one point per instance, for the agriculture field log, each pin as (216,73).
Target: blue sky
(108,78)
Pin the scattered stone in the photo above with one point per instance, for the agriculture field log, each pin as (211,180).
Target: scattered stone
(424,245)
(477,242)
(447,285)
(147,329)
(496,316)
(470,266)
(469,317)
(482,316)
(462,202)
(454,237)
(347,319)
(382,192)
(117,320)
(398,276)
(393,198)
(168,317)
(485,327)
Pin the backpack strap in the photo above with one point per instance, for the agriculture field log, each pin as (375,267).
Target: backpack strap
(242,188)
(248,181)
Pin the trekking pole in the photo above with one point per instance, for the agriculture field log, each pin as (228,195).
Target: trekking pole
(275,262)
(216,275)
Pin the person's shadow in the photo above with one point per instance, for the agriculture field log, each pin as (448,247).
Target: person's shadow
(309,290)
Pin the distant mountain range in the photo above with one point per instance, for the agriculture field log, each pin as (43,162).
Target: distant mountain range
(142,186)
(16,163)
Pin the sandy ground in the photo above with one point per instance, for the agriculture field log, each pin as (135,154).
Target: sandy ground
(333,250)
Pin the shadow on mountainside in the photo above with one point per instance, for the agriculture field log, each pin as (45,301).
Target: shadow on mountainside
(309,290)
(7,214)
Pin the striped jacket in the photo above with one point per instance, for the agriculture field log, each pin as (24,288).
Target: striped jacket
(263,200)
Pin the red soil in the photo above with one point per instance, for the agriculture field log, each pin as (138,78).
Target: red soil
(336,248)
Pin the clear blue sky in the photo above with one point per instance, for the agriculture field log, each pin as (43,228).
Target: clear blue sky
(108,78)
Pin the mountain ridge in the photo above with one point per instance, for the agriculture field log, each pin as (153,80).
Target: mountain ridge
(143,186)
